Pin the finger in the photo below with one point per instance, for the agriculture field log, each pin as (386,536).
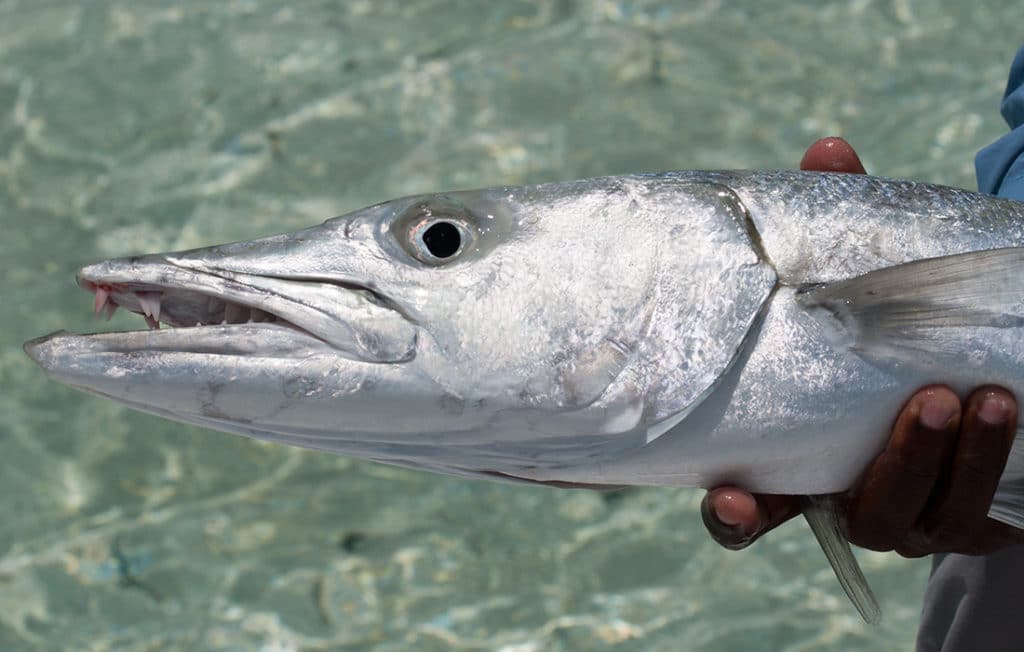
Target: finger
(961,511)
(832,154)
(735,518)
(896,488)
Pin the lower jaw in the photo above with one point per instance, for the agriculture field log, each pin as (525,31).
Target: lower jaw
(258,340)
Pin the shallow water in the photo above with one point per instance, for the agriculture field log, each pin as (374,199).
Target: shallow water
(138,126)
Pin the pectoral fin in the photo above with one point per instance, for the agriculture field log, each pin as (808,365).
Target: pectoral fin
(904,308)
(906,312)
(1008,503)
(822,515)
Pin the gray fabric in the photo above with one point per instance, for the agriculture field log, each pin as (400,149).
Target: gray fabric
(974,603)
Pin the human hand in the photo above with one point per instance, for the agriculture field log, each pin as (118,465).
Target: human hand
(930,489)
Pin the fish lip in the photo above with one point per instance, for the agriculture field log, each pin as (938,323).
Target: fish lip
(33,347)
(182,288)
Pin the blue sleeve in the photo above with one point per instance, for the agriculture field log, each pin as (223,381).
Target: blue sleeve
(1000,166)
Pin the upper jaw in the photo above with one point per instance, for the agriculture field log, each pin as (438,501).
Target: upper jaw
(349,318)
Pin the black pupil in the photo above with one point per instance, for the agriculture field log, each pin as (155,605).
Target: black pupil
(442,239)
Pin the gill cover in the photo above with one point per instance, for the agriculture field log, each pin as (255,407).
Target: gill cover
(715,282)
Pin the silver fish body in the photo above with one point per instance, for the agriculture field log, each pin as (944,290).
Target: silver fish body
(812,393)
(687,328)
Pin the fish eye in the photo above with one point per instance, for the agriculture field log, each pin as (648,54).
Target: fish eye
(442,239)
(436,230)
(437,240)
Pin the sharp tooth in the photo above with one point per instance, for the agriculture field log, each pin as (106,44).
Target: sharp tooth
(111,308)
(152,323)
(100,302)
(150,304)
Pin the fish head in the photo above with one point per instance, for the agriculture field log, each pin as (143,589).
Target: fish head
(467,332)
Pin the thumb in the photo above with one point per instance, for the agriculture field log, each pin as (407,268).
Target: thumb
(735,518)
(832,154)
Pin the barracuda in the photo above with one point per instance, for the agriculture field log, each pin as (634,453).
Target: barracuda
(686,329)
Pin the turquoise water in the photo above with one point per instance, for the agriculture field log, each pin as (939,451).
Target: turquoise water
(140,126)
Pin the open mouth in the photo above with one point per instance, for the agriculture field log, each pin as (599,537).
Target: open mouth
(174,307)
(349,318)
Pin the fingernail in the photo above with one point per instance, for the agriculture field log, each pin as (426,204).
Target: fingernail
(722,517)
(994,410)
(936,415)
